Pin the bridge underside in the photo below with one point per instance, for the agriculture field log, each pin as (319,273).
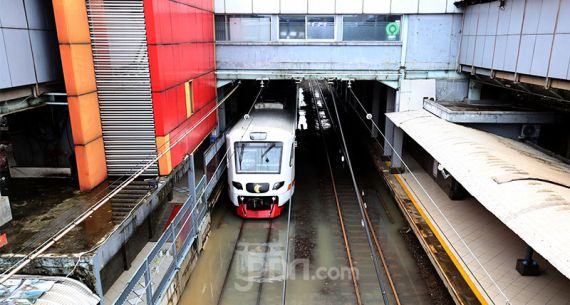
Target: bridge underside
(390,78)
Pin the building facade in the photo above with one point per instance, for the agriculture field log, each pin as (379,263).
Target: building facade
(148,73)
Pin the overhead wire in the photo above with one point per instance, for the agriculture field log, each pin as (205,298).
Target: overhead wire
(66,229)
(225,156)
(286,269)
(198,196)
(286,264)
(373,254)
(99,192)
(339,211)
(446,219)
(382,147)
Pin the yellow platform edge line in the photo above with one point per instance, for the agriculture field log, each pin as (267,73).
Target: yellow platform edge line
(449,252)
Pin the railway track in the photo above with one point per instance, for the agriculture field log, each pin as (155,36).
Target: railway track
(368,288)
(248,270)
(252,277)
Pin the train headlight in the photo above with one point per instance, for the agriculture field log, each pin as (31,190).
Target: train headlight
(278,185)
(237,185)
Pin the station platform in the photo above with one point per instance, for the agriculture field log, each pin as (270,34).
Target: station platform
(507,197)
(494,245)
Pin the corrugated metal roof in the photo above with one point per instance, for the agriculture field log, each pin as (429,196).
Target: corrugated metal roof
(46,290)
(526,189)
(122,73)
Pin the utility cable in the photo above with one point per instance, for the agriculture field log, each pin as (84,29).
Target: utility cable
(42,248)
(224,157)
(339,210)
(284,289)
(432,201)
(98,193)
(382,147)
(360,202)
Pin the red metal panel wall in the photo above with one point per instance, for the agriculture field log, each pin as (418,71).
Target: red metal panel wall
(180,37)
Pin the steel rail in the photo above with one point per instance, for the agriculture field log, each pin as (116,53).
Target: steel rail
(377,241)
(286,265)
(225,282)
(284,290)
(409,216)
(359,198)
(445,218)
(382,258)
(339,211)
(265,258)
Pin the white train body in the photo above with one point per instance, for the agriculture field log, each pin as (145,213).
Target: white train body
(261,161)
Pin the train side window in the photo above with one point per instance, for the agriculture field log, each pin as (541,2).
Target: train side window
(292,158)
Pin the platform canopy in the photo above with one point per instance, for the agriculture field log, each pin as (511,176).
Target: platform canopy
(528,190)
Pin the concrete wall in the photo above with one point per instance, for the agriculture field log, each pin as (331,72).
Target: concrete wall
(432,45)
(334,6)
(288,57)
(451,89)
(28,43)
(526,36)
(433,42)
(412,93)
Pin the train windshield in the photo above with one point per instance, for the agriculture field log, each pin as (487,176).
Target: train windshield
(258,157)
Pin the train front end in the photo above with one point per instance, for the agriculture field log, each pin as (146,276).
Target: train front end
(261,170)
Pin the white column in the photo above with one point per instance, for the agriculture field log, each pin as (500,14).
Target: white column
(389,126)
(398,142)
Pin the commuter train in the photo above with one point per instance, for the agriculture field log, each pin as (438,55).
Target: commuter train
(261,161)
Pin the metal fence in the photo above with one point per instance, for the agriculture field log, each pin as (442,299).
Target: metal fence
(214,158)
(152,278)
(150,281)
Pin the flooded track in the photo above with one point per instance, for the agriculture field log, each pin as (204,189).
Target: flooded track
(243,261)
(256,264)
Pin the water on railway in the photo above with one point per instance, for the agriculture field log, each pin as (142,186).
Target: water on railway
(243,261)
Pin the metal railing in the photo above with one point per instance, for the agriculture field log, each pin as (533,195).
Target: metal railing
(215,161)
(152,278)
(215,177)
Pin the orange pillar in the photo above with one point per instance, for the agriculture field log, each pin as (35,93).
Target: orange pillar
(77,62)
(165,162)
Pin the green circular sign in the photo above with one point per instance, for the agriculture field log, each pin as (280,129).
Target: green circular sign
(392,28)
